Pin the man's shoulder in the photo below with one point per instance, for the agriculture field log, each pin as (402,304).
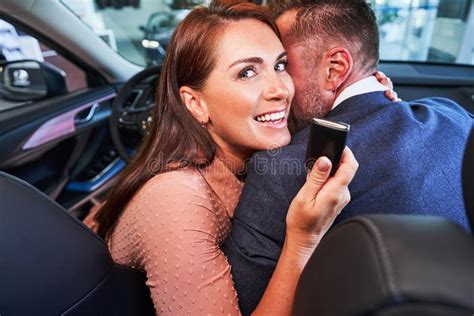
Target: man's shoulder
(443,112)
(376,101)
(436,101)
(441,105)
(376,109)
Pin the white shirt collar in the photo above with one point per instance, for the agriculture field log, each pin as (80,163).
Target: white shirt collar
(366,85)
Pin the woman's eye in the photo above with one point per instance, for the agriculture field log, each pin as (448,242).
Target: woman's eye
(281,65)
(247,73)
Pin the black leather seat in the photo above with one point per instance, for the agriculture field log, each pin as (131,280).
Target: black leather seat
(51,264)
(468,179)
(390,265)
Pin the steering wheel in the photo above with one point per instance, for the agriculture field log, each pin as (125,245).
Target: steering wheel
(132,111)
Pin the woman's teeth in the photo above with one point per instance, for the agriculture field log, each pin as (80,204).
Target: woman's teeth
(271,117)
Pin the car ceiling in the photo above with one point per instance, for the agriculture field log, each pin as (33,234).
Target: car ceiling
(64,29)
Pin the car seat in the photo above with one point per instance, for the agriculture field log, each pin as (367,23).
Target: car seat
(52,264)
(390,265)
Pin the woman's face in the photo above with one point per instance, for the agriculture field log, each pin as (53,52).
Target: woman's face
(249,91)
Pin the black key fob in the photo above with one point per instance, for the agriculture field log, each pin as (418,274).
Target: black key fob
(326,138)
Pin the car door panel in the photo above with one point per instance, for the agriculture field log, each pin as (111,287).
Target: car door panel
(28,131)
(37,139)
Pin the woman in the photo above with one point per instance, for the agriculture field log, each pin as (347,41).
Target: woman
(221,98)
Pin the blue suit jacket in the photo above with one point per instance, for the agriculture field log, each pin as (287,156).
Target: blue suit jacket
(410,157)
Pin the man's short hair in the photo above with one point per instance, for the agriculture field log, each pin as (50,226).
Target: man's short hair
(323,22)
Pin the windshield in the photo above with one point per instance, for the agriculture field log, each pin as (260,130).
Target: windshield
(410,30)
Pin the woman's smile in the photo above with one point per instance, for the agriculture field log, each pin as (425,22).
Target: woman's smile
(273,119)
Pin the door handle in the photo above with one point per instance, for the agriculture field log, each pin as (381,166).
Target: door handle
(80,119)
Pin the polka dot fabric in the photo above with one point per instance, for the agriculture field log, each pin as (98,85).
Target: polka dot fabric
(172,230)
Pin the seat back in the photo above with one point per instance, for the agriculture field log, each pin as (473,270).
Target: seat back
(468,179)
(51,264)
(390,265)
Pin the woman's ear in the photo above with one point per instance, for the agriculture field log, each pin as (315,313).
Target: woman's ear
(339,65)
(195,104)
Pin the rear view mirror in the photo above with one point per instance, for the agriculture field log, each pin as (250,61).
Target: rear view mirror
(26,80)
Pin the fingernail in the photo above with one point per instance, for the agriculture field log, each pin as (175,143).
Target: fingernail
(323,164)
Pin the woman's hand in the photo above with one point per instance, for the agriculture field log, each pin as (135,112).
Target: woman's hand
(386,81)
(319,201)
(310,215)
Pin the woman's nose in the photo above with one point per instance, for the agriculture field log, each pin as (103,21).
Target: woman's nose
(277,91)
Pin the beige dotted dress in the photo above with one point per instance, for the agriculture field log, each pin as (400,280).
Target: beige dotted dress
(172,230)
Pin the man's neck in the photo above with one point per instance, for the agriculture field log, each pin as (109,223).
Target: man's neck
(365,85)
(353,78)
(298,125)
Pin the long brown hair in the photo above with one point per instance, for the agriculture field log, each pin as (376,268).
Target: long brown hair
(176,139)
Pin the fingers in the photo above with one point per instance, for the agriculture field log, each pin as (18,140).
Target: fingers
(319,174)
(383,79)
(345,199)
(347,168)
(317,177)
(349,158)
(335,193)
(392,96)
(335,201)
(386,81)
(321,198)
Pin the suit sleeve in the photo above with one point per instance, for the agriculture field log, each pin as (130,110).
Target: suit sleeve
(258,230)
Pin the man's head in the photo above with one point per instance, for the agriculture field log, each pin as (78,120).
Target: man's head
(331,44)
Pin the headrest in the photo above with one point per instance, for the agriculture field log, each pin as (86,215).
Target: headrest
(370,264)
(47,257)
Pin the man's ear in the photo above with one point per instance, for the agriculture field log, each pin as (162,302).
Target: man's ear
(195,104)
(338,66)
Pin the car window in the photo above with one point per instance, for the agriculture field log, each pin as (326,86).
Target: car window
(163,20)
(16,44)
(410,30)
(138,30)
(426,30)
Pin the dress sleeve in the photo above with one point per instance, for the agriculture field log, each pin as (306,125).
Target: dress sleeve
(178,232)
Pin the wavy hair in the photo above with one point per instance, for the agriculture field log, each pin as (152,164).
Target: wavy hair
(176,139)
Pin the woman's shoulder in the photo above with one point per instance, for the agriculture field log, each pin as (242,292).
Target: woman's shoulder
(185,178)
(171,189)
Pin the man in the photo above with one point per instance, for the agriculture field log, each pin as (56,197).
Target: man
(409,153)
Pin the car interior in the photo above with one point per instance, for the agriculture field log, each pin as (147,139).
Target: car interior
(63,143)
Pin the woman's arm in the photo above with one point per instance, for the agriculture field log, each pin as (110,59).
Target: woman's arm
(171,230)
(311,214)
